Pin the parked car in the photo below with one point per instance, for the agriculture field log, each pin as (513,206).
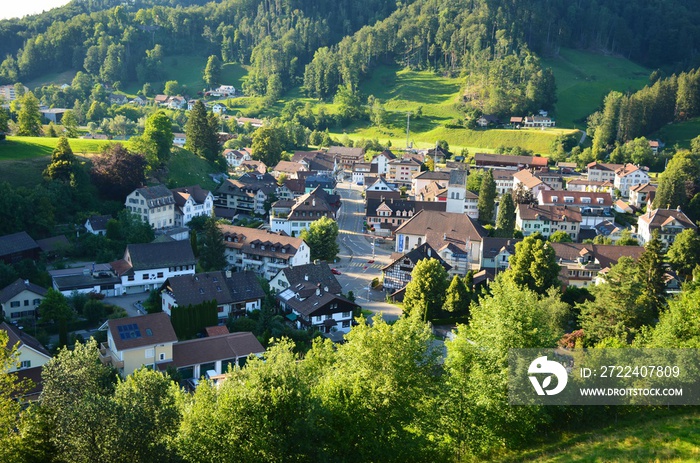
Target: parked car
(335,271)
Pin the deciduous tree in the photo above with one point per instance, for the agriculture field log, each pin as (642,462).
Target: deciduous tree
(117,172)
(29,117)
(322,239)
(425,293)
(684,253)
(534,265)
(54,308)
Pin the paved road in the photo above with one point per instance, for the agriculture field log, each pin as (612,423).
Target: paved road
(356,252)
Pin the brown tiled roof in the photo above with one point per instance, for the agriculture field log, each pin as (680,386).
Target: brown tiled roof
(150,329)
(502,174)
(19,285)
(219,330)
(443,229)
(160,255)
(212,349)
(19,338)
(256,166)
(526,178)
(552,213)
(344,151)
(659,217)
(156,195)
(508,160)
(289,166)
(299,155)
(626,170)
(317,302)
(424,251)
(430,175)
(382,195)
(644,188)
(606,254)
(201,287)
(491,247)
(577,197)
(603,166)
(247,236)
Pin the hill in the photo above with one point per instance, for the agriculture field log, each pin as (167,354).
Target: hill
(583,78)
(666,439)
(679,133)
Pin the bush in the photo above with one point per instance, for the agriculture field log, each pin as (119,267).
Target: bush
(242,324)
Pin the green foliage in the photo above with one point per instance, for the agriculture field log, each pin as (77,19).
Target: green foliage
(684,253)
(158,139)
(29,117)
(505,223)
(201,132)
(679,325)
(457,298)
(54,308)
(94,310)
(117,172)
(487,197)
(268,144)
(322,239)
(211,248)
(212,71)
(63,163)
(682,170)
(9,407)
(560,236)
(153,303)
(425,293)
(534,265)
(190,320)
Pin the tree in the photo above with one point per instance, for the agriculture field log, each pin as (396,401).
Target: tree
(523,195)
(474,180)
(651,273)
(172,88)
(70,123)
(322,239)
(212,248)
(117,172)
(457,298)
(62,166)
(616,311)
(684,253)
(212,71)
(425,293)
(626,239)
(55,309)
(10,407)
(680,173)
(487,197)
(4,120)
(679,325)
(560,236)
(201,133)
(348,102)
(534,265)
(158,138)
(29,117)
(505,223)
(268,145)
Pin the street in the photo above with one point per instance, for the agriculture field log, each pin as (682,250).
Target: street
(356,252)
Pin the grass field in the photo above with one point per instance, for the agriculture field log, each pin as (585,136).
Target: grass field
(679,133)
(664,440)
(187,169)
(584,78)
(18,148)
(58,78)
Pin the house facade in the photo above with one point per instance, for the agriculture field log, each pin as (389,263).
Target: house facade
(402,171)
(397,274)
(191,202)
(382,160)
(669,223)
(247,194)
(322,310)
(306,278)
(146,266)
(97,224)
(261,251)
(546,220)
(154,205)
(423,179)
(21,299)
(196,358)
(628,176)
(581,263)
(386,215)
(602,172)
(504,180)
(595,207)
(641,195)
(17,247)
(234,158)
(293,217)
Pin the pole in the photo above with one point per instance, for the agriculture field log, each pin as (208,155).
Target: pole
(408,126)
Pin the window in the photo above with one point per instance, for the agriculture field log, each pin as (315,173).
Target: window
(346,314)
(160,275)
(161,356)
(130,278)
(14,304)
(37,302)
(150,353)
(346,324)
(26,302)
(25,364)
(144,277)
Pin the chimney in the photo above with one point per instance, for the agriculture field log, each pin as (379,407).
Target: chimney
(228,273)
(678,208)
(313,202)
(26,282)
(325,288)
(318,291)
(306,277)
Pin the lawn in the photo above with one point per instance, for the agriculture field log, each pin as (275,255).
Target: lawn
(680,133)
(584,78)
(186,169)
(58,78)
(21,148)
(663,439)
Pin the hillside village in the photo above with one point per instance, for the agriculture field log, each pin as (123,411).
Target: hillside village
(240,268)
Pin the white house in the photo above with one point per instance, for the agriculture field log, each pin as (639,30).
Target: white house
(601,172)
(191,202)
(293,217)
(546,220)
(154,205)
(146,266)
(642,194)
(321,310)
(530,182)
(234,158)
(504,180)
(21,299)
(667,222)
(628,176)
(459,199)
(97,224)
(179,139)
(382,161)
(595,207)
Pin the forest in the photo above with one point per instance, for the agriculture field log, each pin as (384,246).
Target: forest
(323,45)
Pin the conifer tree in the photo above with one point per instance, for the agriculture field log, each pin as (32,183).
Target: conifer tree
(487,197)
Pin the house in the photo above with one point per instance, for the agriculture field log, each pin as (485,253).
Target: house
(31,355)
(386,215)
(516,121)
(196,358)
(133,342)
(438,154)
(146,266)
(154,205)
(234,158)
(642,194)
(139,100)
(247,194)
(622,207)
(317,161)
(459,199)
(422,179)
(92,278)
(54,115)
(190,202)
(7,92)
(222,91)
(255,123)
(504,180)
(601,172)
(582,184)
(161,100)
(253,166)
(262,251)
(397,274)
(496,252)
(595,207)
(179,139)
(433,192)
(382,160)
(218,108)
(322,310)
(21,299)
(612,231)
(530,182)
(291,188)
(667,222)
(360,169)
(580,263)
(304,279)
(115,98)
(546,220)
(347,157)
(456,237)
(505,161)
(97,224)
(402,171)
(235,293)
(538,121)
(293,217)
(17,247)
(324,182)
(628,176)
(177,102)
(655,145)
(486,120)
(288,168)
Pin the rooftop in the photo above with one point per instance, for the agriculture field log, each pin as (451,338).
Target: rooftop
(144,330)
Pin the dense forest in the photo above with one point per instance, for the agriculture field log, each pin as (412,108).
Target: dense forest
(495,44)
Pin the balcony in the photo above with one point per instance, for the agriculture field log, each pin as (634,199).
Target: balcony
(106,357)
(252,262)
